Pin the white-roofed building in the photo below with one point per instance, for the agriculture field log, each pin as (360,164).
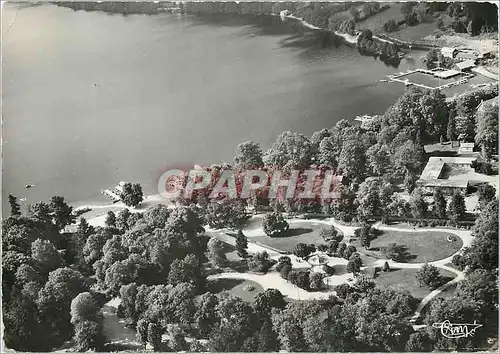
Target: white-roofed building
(449,52)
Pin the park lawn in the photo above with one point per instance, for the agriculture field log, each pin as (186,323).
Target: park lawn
(404,279)
(236,287)
(376,22)
(420,246)
(417,32)
(300,232)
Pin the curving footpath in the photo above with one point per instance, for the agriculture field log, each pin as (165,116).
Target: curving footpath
(273,280)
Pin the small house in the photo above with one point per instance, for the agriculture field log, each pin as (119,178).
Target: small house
(466,148)
(448,52)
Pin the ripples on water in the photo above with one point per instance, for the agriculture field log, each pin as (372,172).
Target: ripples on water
(170,89)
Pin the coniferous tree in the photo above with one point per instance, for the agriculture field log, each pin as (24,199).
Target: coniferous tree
(456,209)
(110,219)
(15,210)
(439,204)
(241,244)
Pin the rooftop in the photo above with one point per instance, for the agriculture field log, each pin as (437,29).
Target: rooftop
(431,174)
(465,64)
(446,74)
(445,183)
(467,145)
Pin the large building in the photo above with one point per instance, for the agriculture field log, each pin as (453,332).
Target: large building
(466,65)
(438,171)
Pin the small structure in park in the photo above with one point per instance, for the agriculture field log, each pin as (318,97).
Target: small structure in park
(438,170)
(466,148)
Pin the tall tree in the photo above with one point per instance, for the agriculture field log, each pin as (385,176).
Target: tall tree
(480,286)
(418,204)
(456,209)
(259,262)
(429,276)
(451,129)
(15,210)
(188,270)
(485,193)
(365,235)
(487,130)
(61,288)
(157,216)
(483,252)
(45,255)
(62,213)
(206,316)
(461,311)
(439,204)
(88,336)
(379,159)
(369,199)
(225,213)
(110,219)
(326,152)
(248,155)
(122,219)
(290,149)
(84,308)
(241,244)
(419,342)
(131,194)
(352,159)
(274,224)
(216,253)
(154,336)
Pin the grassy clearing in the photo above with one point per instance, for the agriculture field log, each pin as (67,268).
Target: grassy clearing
(417,32)
(420,246)
(299,232)
(404,279)
(376,22)
(236,287)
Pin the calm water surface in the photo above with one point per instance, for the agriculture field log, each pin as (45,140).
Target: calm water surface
(168,90)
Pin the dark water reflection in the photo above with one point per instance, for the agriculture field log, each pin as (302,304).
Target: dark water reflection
(171,89)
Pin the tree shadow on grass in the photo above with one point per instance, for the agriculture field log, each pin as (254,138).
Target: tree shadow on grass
(340,269)
(445,279)
(297,231)
(122,347)
(399,254)
(220,285)
(404,255)
(239,265)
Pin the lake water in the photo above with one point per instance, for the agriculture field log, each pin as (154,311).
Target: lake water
(169,89)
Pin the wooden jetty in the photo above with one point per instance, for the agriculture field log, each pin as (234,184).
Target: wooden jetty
(114,194)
